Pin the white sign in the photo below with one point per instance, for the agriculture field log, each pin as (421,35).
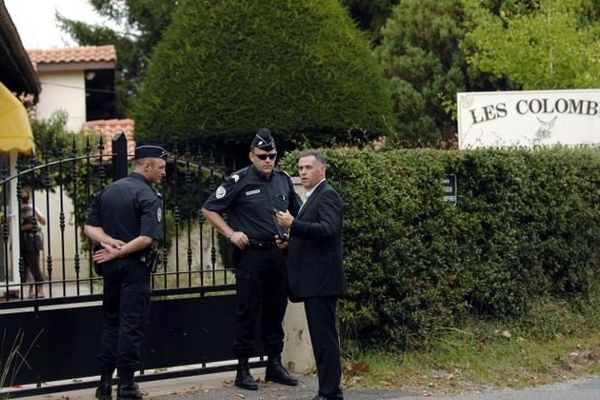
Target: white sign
(528,118)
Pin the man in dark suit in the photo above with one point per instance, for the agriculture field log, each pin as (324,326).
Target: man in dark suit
(315,272)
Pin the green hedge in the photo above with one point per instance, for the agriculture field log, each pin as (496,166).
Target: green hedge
(527,224)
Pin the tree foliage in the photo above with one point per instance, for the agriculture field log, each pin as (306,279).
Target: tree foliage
(226,68)
(548,45)
(425,68)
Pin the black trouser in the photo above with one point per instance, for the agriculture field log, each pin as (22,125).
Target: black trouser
(31,257)
(320,315)
(261,282)
(125,307)
(32,264)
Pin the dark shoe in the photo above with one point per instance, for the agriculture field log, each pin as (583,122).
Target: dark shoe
(243,378)
(337,396)
(104,392)
(131,392)
(277,373)
(321,397)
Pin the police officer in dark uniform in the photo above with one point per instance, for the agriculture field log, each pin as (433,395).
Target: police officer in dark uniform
(250,197)
(124,219)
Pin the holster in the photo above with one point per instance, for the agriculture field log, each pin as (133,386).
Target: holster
(98,268)
(150,259)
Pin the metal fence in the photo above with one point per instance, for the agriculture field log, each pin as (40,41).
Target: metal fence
(61,189)
(193,289)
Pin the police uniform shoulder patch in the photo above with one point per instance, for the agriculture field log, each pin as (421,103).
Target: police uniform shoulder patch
(221,192)
(237,175)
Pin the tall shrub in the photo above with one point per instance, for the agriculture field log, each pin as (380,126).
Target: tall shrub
(226,68)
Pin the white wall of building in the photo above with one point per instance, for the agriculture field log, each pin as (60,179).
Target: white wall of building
(63,90)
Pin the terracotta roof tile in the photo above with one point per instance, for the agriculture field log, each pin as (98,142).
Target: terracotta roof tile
(109,127)
(73,55)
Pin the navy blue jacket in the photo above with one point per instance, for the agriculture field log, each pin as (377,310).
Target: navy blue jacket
(315,247)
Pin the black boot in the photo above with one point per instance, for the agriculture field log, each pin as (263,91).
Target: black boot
(104,390)
(277,373)
(243,378)
(128,389)
(129,392)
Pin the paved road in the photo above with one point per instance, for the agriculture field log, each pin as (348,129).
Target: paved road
(219,387)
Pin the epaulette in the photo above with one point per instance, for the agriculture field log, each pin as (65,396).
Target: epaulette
(237,175)
(156,192)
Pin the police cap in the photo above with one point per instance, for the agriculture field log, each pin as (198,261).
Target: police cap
(145,149)
(263,140)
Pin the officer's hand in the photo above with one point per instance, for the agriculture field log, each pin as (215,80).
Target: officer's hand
(239,239)
(281,243)
(116,243)
(105,254)
(99,256)
(284,218)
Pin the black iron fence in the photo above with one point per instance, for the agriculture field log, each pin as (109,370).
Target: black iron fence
(61,191)
(193,289)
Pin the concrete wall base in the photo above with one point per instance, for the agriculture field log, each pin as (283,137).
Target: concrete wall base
(297,350)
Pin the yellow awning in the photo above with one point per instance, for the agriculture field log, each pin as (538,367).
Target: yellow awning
(15,130)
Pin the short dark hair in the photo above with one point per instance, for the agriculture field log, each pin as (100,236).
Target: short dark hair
(316,154)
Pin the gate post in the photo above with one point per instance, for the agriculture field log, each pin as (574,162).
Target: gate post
(119,158)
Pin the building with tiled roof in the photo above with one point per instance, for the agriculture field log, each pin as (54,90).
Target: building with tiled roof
(78,80)
(108,128)
(49,59)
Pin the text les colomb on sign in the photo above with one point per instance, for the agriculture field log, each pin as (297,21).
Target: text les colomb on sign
(528,118)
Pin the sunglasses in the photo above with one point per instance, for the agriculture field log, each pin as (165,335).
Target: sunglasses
(263,157)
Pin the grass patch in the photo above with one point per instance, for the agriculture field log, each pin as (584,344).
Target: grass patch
(13,356)
(464,361)
(552,343)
